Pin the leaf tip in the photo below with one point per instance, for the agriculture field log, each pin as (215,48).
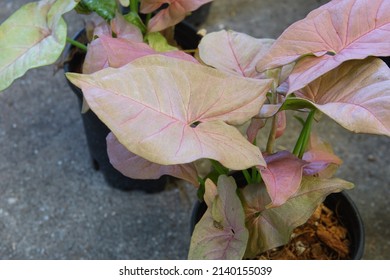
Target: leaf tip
(74,78)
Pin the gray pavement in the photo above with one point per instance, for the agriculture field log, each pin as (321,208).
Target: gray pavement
(54,205)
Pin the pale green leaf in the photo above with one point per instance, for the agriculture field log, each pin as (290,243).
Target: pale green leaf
(35,35)
(158,42)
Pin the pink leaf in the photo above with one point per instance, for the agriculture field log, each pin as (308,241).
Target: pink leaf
(360,102)
(97,54)
(282,176)
(125,30)
(171,111)
(101,28)
(120,51)
(137,167)
(334,33)
(233,52)
(173,14)
(221,233)
(106,51)
(96,57)
(281,124)
(255,125)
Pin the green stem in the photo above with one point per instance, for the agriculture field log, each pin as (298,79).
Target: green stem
(300,146)
(247,176)
(148,17)
(219,167)
(134,6)
(77,44)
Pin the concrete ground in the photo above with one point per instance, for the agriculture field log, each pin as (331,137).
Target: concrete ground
(54,205)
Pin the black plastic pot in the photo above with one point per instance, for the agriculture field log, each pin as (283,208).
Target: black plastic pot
(196,18)
(200,15)
(386,59)
(96,131)
(340,203)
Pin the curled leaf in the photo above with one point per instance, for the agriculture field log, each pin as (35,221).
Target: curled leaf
(282,176)
(321,159)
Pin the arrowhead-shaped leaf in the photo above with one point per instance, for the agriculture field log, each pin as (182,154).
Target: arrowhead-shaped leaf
(221,233)
(35,35)
(170,111)
(272,227)
(334,33)
(356,95)
(136,167)
(233,52)
(282,176)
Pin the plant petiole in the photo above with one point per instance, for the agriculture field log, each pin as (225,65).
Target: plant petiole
(247,176)
(134,6)
(219,168)
(300,146)
(77,44)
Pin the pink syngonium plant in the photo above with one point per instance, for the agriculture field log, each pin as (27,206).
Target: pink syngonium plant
(174,112)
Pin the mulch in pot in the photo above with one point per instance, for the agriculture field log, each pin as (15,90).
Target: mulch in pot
(322,237)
